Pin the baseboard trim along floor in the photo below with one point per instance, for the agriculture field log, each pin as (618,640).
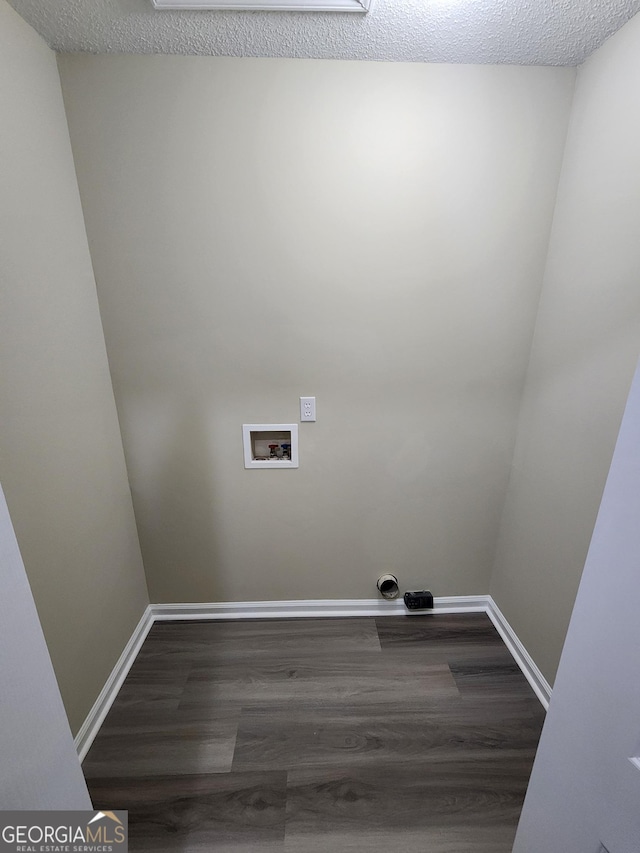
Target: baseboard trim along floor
(536,679)
(299,609)
(103,703)
(314,608)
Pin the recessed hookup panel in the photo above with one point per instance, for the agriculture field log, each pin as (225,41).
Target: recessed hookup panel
(270,445)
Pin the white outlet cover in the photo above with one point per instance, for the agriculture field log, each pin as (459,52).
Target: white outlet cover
(307,408)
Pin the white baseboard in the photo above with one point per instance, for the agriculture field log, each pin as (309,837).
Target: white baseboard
(536,679)
(317,608)
(96,715)
(293,610)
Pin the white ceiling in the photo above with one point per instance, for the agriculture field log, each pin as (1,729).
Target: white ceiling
(523,32)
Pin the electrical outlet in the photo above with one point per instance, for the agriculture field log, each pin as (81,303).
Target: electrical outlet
(307,408)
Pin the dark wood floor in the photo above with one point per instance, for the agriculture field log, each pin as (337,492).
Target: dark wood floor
(398,735)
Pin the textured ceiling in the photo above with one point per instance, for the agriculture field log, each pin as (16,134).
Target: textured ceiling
(523,32)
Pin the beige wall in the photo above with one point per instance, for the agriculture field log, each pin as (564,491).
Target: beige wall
(585,350)
(370,233)
(61,460)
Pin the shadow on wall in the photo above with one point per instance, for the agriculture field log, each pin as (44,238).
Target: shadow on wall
(177,513)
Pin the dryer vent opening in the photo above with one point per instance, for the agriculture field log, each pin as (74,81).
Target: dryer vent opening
(388,586)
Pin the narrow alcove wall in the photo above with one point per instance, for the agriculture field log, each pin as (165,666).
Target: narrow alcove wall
(585,351)
(373,234)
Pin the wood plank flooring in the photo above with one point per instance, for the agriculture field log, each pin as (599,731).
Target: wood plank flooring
(391,735)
